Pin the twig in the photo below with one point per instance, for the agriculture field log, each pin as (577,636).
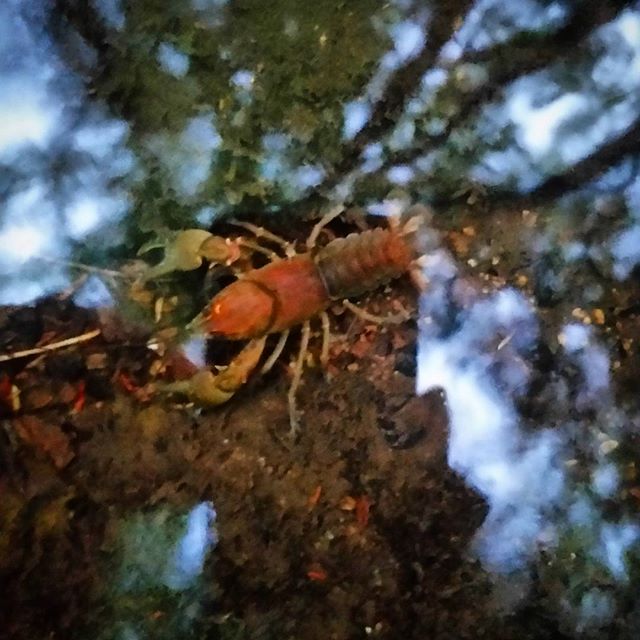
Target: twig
(84,267)
(90,335)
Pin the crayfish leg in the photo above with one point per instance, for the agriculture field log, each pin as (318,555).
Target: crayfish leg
(332,214)
(295,382)
(419,279)
(394,318)
(326,339)
(261,232)
(275,354)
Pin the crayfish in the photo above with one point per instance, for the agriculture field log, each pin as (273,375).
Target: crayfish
(288,291)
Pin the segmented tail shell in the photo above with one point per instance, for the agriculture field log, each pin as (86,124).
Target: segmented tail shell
(362,262)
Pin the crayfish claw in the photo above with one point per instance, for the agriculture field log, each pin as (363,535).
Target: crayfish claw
(187,250)
(222,251)
(181,252)
(210,389)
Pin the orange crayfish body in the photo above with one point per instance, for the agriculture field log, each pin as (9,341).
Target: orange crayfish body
(288,292)
(270,299)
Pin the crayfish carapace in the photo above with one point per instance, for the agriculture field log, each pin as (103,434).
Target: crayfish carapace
(287,292)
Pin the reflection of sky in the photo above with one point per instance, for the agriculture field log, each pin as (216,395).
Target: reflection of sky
(163,547)
(522,474)
(277,168)
(28,223)
(408,41)
(625,248)
(111,11)
(154,559)
(33,117)
(191,549)
(522,471)
(401,174)
(27,113)
(539,122)
(94,294)
(187,157)
(38,104)
(495,20)
(544,127)
(172,60)
(356,114)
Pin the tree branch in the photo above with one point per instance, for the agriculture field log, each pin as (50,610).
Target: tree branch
(525,53)
(535,49)
(593,166)
(404,83)
(84,19)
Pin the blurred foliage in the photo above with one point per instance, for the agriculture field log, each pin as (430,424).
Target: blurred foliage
(251,73)
(233,109)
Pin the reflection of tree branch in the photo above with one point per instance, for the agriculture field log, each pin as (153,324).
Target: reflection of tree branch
(633,173)
(523,54)
(84,19)
(602,159)
(539,48)
(405,81)
(593,166)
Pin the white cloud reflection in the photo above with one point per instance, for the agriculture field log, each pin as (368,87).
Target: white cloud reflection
(481,353)
(28,227)
(356,114)
(28,115)
(94,294)
(112,12)
(172,60)
(517,472)
(625,249)
(187,158)
(40,131)
(190,553)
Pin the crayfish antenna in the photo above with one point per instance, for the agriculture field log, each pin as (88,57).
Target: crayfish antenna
(198,324)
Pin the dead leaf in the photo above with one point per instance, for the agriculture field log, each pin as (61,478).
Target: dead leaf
(312,501)
(635,492)
(37,398)
(460,243)
(79,400)
(316,573)
(347,503)
(9,394)
(96,361)
(127,383)
(363,508)
(48,438)
(361,348)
